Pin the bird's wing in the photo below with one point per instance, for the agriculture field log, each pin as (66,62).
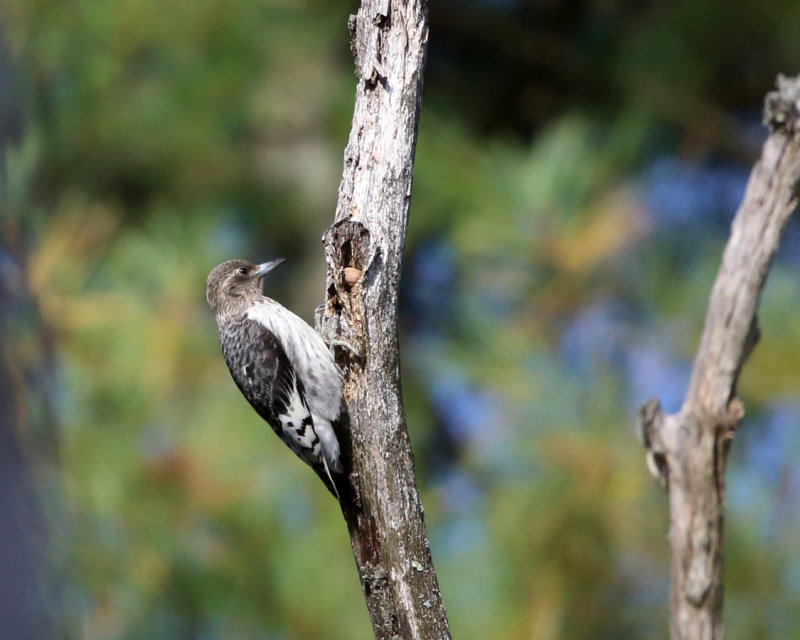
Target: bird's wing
(265,376)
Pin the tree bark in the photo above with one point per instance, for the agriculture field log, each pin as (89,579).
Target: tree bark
(688,450)
(363,251)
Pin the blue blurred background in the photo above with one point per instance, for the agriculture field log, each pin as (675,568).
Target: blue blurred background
(578,167)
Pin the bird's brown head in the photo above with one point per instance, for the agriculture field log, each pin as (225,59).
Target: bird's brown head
(235,283)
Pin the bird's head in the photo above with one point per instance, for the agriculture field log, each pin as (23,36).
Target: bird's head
(236,281)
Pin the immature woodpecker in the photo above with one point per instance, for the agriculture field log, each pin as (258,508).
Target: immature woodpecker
(280,364)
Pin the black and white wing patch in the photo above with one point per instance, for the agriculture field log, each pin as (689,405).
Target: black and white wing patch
(265,376)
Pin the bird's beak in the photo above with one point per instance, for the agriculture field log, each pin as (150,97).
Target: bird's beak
(265,267)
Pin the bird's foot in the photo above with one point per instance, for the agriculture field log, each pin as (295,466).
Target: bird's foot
(318,326)
(346,345)
(328,330)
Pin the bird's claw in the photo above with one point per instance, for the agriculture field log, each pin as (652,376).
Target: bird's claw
(346,345)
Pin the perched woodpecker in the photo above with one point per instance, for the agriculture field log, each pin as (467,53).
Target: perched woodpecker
(280,364)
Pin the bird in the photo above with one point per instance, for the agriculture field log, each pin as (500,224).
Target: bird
(281,365)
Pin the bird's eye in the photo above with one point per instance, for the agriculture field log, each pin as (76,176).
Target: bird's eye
(244,271)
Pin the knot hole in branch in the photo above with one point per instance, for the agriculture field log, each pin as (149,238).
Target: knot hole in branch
(347,252)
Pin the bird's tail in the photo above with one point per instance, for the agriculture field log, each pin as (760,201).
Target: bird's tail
(336,483)
(332,486)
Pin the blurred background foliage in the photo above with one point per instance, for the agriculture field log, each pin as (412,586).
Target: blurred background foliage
(578,167)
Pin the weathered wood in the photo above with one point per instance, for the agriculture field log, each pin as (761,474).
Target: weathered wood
(688,451)
(363,250)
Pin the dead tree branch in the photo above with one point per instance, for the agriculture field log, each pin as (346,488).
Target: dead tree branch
(688,450)
(363,250)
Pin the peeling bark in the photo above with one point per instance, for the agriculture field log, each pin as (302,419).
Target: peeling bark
(363,250)
(688,450)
